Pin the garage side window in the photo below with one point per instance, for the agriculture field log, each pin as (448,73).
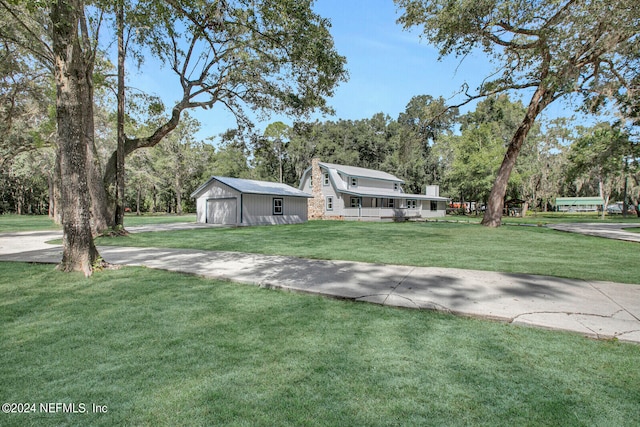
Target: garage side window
(277,206)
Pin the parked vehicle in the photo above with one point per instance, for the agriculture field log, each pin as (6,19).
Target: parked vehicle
(617,209)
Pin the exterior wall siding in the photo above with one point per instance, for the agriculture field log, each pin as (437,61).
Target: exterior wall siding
(426,211)
(253,209)
(257,209)
(371,184)
(216,191)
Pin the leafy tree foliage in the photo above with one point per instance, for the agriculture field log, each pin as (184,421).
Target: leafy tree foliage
(551,48)
(264,55)
(598,158)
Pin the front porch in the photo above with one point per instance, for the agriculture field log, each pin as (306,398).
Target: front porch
(381,213)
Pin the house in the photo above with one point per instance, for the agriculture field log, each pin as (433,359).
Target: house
(348,192)
(234,201)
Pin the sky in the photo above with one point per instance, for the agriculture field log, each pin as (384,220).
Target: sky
(387,66)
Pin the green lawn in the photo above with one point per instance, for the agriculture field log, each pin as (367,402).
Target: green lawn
(553,218)
(133,220)
(521,249)
(43,222)
(165,349)
(26,223)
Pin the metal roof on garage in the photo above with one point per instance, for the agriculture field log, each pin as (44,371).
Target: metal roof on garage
(251,186)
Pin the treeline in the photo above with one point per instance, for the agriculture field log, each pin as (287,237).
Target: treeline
(426,144)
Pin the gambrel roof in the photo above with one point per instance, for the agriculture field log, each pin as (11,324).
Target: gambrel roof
(358,172)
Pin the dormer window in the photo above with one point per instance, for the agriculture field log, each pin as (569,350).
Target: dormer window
(354,181)
(326,179)
(396,186)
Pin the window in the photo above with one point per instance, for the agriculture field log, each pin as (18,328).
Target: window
(434,205)
(355,202)
(396,186)
(311,181)
(326,179)
(329,203)
(354,181)
(411,204)
(277,206)
(392,203)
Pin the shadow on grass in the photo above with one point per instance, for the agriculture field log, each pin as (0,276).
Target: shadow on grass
(168,349)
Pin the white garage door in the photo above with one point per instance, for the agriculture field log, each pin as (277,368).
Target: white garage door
(221,211)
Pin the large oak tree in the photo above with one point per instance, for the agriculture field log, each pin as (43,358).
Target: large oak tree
(551,48)
(263,55)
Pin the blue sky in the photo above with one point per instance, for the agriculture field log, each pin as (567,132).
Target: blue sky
(387,66)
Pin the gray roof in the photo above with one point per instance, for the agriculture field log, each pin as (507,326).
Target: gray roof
(251,186)
(361,172)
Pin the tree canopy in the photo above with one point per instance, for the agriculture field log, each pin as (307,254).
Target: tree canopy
(552,48)
(267,56)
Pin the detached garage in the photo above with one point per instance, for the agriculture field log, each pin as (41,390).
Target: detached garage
(235,201)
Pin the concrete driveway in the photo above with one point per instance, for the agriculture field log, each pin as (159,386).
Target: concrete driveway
(609,231)
(592,308)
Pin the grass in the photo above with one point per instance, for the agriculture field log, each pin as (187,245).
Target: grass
(12,223)
(164,349)
(555,218)
(133,220)
(532,250)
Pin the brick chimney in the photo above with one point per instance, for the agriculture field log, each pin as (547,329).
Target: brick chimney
(316,204)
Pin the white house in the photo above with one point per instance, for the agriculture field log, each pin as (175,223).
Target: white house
(234,201)
(348,192)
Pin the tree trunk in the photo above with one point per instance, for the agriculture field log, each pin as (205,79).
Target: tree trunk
(178,195)
(155,200)
(100,213)
(78,250)
(57,192)
(119,214)
(100,210)
(493,214)
(51,198)
(603,195)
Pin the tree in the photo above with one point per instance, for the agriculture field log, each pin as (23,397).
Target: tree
(597,159)
(550,48)
(73,74)
(230,159)
(176,159)
(269,56)
(424,121)
(270,151)
(264,55)
(542,163)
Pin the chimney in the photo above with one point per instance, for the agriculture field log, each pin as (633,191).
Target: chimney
(316,204)
(433,190)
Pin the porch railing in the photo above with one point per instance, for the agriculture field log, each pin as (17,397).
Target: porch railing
(380,212)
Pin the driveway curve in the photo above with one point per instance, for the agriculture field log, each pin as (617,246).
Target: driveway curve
(592,308)
(609,231)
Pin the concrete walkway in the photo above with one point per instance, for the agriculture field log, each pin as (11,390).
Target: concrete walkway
(609,231)
(591,308)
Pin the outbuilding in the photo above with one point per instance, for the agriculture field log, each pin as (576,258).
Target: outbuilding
(235,201)
(579,204)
